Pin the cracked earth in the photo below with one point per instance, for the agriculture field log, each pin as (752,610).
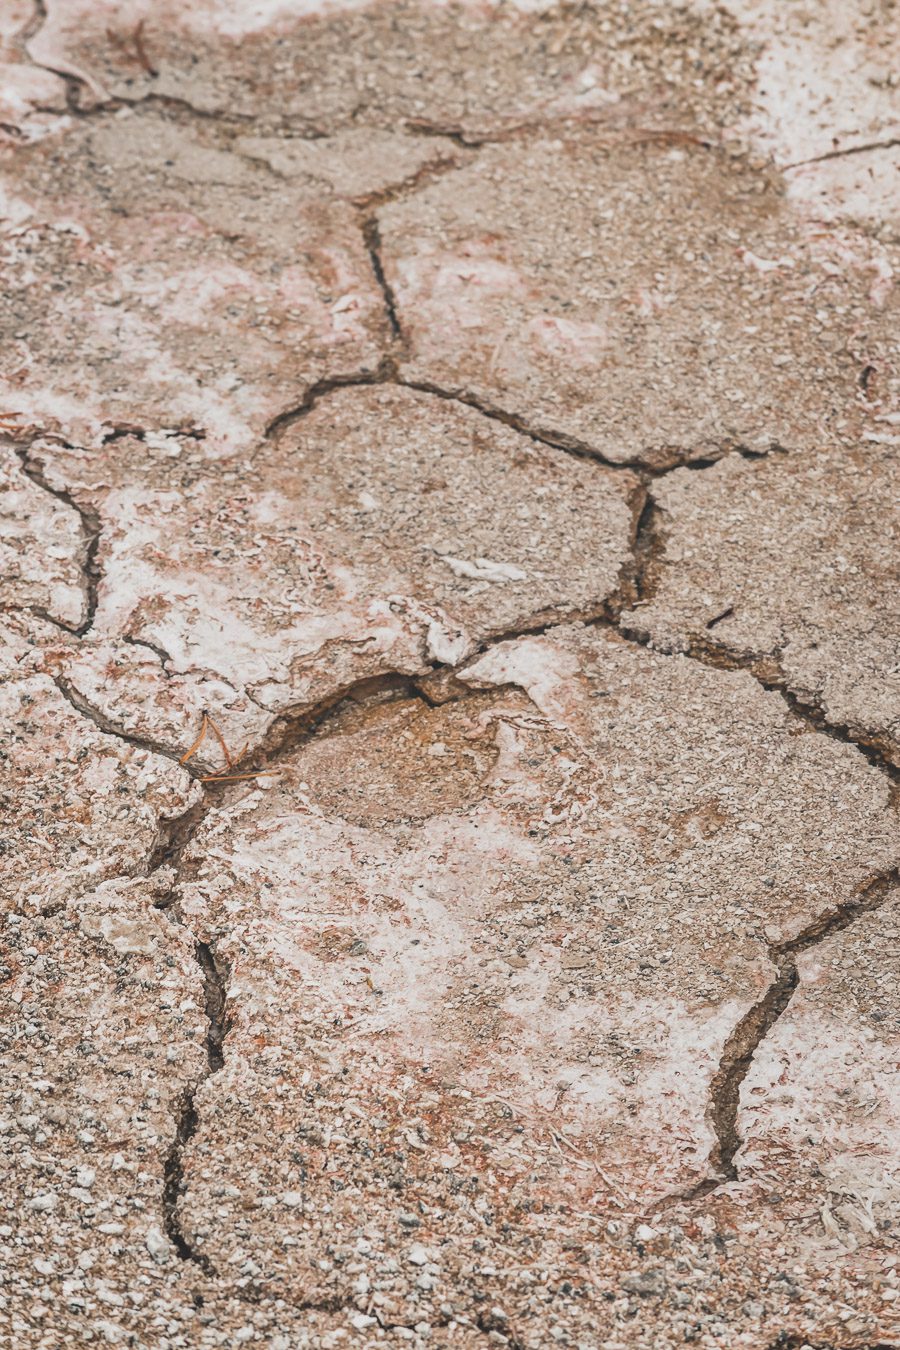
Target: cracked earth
(450,538)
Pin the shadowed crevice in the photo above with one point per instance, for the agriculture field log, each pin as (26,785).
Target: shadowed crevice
(648,463)
(757,1024)
(321,389)
(372,239)
(109,728)
(619,132)
(91,530)
(215,993)
(767,671)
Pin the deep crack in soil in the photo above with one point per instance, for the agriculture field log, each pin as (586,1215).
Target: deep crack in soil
(372,239)
(645,464)
(91,530)
(102,723)
(767,672)
(215,987)
(756,1025)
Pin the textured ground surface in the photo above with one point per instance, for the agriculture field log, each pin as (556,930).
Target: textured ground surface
(488,416)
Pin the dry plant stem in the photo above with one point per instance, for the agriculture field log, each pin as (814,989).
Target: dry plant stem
(209,724)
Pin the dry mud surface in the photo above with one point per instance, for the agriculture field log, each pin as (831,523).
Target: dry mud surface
(450,674)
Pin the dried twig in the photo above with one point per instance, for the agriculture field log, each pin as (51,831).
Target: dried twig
(207,725)
(135,50)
